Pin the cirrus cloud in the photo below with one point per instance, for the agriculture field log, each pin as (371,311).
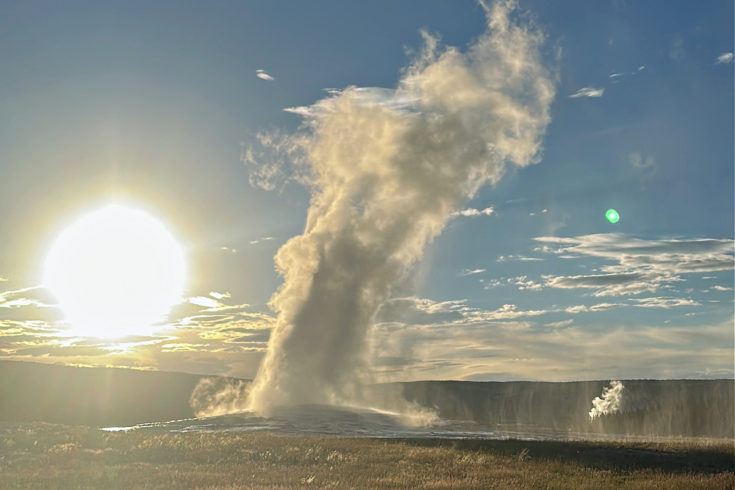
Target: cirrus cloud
(724,59)
(642,265)
(260,73)
(587,92)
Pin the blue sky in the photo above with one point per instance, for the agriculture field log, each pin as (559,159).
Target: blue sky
(155,103)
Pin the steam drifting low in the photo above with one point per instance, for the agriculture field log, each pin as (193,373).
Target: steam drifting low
(387,168)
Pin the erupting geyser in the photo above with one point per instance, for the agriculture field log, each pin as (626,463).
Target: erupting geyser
(387,169)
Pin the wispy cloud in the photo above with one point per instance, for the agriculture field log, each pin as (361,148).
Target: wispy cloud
(642,265)
(303,111)
(470,212)
(505,312)
(610,284)
(618,76)
(261,239)
(470,348)
(663,302)
(36,296)
(472,272)
(368,96)
(640,161)
(588,92)
(512,257)
(227,348)
(415,338)
(219,296)
(676,256)
(560,324)
(425,311)
(525,284)
(576,309)
(203,334)
(676,50)
(724,58)
(205,302)
(260,73)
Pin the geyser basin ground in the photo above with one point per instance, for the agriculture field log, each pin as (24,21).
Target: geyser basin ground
(326,420)
(54,456)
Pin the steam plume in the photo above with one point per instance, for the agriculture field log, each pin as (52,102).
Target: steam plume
(388,167)
(609,401)
(218,396)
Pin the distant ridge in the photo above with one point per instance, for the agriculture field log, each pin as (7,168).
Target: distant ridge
(699,408)
(100,397)
(92,396)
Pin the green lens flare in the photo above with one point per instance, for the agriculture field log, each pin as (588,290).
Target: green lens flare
(612,216)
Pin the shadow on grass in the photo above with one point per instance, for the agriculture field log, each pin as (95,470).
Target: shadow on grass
(669,458)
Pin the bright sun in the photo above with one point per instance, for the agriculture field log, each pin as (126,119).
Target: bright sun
(115,272)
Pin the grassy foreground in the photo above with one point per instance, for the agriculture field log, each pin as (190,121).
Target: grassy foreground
(52,456)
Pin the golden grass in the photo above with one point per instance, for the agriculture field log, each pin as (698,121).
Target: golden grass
(49,456)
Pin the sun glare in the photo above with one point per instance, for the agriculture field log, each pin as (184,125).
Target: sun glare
(115,272)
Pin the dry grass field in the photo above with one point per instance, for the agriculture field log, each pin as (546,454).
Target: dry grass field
(53,456)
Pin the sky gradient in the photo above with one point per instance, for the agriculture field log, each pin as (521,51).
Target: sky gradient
(178,108)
